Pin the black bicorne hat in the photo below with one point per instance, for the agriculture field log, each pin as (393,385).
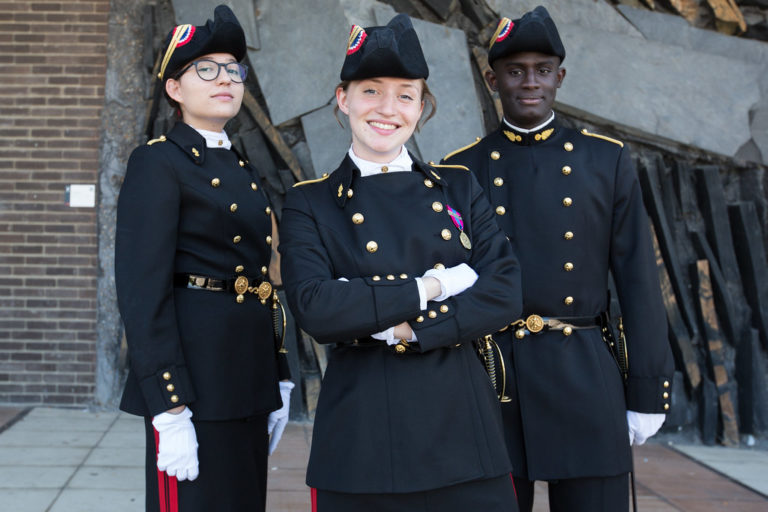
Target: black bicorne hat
(393,50)
(187,42)
(534,32)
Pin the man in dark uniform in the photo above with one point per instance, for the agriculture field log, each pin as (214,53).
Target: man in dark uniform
(571,204)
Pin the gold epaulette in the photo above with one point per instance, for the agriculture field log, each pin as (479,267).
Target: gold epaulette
(589,134)
(457,151)
(450,166)
(159,139)
(305,182)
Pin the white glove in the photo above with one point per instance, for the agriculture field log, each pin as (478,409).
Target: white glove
(643,425)
(453,280)
(279,419)
(177,450)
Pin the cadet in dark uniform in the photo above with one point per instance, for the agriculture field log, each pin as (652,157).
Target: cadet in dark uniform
(399,265)
(571,204)
(193,238)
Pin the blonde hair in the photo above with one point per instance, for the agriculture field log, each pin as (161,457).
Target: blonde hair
(426,96)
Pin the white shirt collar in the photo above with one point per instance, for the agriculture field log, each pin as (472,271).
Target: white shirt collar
(217,140)
(536,128)
(402,162)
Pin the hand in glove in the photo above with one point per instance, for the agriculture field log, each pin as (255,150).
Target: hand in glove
(643,425)
(453,280)
(279,418)
(177,450)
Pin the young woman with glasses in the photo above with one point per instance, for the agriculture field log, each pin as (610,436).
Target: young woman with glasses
(193,245)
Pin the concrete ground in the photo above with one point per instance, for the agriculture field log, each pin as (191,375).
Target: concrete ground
(65,460)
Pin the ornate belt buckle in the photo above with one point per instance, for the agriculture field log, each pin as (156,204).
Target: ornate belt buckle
(265,290)
(241,285)
(534,323)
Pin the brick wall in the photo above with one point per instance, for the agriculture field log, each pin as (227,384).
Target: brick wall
(53,58)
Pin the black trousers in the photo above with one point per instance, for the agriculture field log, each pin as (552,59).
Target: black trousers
(597,494)
(233,469)
(492,495)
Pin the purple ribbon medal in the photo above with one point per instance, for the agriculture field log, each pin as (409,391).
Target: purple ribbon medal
(459,223)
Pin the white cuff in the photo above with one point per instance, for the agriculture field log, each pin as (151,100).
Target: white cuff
(422,294)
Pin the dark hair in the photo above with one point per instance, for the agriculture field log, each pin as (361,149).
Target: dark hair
(426,96)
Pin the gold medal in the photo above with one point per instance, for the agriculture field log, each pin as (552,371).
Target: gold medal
(464,239)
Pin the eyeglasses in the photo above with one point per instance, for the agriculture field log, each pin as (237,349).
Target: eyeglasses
(209,70)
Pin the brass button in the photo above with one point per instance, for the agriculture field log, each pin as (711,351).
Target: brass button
(242,164)
(403,276)
(665,395)
(215,182)
(439,266)
(568,301)
(239,268)
(268,210)
(399,348)
(446,234)
(237,239)
(264,270)
(269,239)
(167,375)
(568,235)
(443,308)
(519,334)
(233,207)
(372,246)
(666,383)
(240,298)
(170,387)
(350,193)
(174,398)
(358,218)
(419,319)
(495,155)
(500,210)
(390,277)
(254,186)
(568,266)
(431,314)
(666,407)
(428,183)
(498,181)
(384,168)
(566,170)
(376,278)
(567,330)
(568,146)
(437,206)
(567,201)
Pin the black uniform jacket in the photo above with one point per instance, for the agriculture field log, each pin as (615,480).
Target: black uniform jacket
(572,206)
(185,208)
(427,418)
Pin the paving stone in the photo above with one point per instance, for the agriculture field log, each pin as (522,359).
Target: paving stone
(749,467)
(301,55)
(108,477)
(659,89)
(197,12)
(22,437)
(123,438)
(34,477)
(589,14)
(42,456)
(89,501)
(27,500)
(133,456)
(73,421)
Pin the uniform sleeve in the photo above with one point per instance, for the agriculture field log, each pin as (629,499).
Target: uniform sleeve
(634,269)
(145,246)
(493,301)
(328,309)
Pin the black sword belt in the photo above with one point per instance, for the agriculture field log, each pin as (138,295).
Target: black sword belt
(535,324)
(239,285)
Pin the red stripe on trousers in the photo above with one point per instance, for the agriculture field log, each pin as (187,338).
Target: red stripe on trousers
(167,486)
(513,484)
(313,494)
